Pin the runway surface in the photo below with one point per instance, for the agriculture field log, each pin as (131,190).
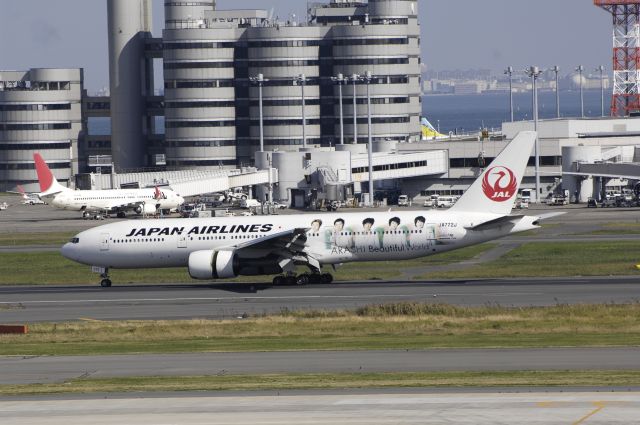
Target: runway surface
(48,369)
(30,304)
(406,407)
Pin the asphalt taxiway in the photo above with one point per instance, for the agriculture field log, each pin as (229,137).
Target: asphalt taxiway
(57,369)
(410,407)
(32,304)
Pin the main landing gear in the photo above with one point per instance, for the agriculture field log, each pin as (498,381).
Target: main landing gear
(105,282)
(303,279)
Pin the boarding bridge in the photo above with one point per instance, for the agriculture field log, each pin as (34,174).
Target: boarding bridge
(614,170)
(400,165)
(186,182)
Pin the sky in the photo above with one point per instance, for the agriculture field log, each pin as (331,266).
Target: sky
(462,34)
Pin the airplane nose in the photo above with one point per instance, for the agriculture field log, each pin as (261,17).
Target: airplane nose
(68,251)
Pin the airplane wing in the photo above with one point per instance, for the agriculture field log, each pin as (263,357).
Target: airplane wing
(288,245)
(291,240)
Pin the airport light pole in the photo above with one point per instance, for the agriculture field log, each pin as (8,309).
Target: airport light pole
(301,80)
(601,69)
(355,78)
(259,80)
(580,70)
(367,79)
(509,72)
(340,80)
(556,69)
(534,72)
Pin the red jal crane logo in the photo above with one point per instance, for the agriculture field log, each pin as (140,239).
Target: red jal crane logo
(499,184)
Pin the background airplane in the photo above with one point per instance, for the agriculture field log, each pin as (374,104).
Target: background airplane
(118,201)
(429,131)
(28,198)
(218,248)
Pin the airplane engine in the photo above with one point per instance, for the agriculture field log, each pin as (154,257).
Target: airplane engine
(207,265)
(147,208)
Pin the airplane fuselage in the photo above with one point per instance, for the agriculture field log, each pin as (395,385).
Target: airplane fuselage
(101,200)
(330,238)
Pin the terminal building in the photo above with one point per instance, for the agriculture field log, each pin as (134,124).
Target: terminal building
(212,109)
(41,111)
(225,69)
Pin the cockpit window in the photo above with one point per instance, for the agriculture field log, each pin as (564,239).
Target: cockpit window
(75,240)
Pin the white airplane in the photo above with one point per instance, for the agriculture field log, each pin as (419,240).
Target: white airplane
(28,198)
(119,201)
(219,248)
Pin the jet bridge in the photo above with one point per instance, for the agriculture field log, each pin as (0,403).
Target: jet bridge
(186,183)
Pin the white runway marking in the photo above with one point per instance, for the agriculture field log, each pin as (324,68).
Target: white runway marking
(246,298)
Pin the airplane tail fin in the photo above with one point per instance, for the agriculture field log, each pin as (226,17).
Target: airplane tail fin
(496,189)
(48,183)
(157,194)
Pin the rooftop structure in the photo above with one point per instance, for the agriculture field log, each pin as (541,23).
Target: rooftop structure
(210,57)
(40,111)
(626,54)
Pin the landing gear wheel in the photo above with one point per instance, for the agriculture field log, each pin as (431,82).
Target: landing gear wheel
(279,280)
(105,282)
(303,279)
(326,278)
(121,215)
(291,280)
(315,278)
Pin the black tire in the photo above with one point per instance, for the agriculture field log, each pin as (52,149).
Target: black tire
(303,279)
(105,283)
(291,280)
(315,278)
(327,278)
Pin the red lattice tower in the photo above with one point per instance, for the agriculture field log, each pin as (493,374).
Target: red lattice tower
(626,54)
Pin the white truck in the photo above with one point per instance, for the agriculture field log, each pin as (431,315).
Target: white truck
(250,203)
(403,201)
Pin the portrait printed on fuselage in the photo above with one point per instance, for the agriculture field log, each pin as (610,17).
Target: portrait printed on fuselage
(368,237)
(395,234)
(341,236)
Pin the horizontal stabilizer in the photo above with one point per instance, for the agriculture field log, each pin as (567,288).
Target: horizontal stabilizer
(547,216)
(497,222)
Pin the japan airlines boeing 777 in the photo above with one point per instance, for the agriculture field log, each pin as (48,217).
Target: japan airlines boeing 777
(119,201)
(219,248)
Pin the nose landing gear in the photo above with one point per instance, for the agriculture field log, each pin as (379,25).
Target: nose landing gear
(105,282)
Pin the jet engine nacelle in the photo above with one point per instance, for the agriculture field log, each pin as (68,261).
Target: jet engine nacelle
(207,265)
(146,208)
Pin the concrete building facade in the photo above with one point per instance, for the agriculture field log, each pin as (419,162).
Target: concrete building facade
(40,111)
(211,107)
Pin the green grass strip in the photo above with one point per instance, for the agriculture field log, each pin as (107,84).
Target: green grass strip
(388,326)
(41,268)
(557,259)
(602,378)
(44,238)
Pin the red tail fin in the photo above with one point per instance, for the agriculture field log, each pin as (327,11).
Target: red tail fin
(157,194)
(45,176)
